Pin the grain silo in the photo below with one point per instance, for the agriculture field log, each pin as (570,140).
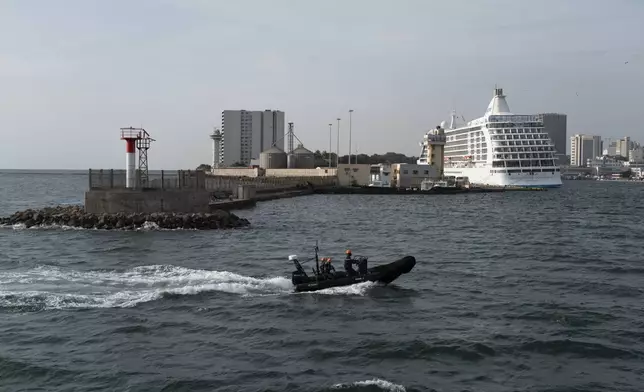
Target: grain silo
(290,161)
(304,159)
(273,158)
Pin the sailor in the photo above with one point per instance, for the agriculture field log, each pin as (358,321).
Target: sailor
(326,268)
(348,263)
(323,267)
(329,267)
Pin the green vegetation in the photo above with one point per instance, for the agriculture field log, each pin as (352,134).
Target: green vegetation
(322,159)
(204,167)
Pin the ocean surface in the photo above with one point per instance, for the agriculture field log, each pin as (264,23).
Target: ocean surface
(526,291)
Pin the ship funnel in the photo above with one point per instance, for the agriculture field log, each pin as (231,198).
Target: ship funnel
(498,104)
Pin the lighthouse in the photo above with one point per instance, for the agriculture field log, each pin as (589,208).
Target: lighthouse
(136,138)
(216,137)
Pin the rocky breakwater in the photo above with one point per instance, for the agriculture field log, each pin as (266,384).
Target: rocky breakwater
(75,216)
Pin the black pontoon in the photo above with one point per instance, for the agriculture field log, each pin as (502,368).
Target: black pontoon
(327,276)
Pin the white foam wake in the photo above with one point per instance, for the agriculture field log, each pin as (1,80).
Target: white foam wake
(382,384)
(48,287)
(354,289)
(146,226)
(56,288)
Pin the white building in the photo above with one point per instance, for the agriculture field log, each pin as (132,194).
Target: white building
(381,175)
(406,175)
(610,148)
(583,148)
(636,155)
(247,133)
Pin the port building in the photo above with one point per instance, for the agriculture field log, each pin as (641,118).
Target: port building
(245,134)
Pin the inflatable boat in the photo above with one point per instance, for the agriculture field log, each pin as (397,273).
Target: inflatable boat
(325,276)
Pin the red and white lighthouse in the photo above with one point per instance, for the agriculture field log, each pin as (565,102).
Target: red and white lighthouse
(136,138)
(130,135)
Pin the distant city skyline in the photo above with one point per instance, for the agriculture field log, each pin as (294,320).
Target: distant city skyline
(75,71)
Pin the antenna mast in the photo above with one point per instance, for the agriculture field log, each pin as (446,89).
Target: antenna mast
(290,137)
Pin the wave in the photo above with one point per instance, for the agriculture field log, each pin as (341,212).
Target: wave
(48,287)
(147,226)
(377,383)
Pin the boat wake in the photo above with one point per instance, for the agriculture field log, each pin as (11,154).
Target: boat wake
(354,289)
(48,288)
(376,383)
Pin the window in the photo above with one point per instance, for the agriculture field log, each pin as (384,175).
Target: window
(415,171)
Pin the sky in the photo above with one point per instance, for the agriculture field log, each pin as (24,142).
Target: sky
(72,72)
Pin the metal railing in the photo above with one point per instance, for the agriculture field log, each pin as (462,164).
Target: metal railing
(162,179)
(197,179)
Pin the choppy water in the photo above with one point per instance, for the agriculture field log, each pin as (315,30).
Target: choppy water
(512,292)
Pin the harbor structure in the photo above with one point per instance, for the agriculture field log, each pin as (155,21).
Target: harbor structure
(380,175)
(433,148)
(136,139)
(216,137)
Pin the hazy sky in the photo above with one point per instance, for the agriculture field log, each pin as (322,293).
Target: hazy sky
(72,72)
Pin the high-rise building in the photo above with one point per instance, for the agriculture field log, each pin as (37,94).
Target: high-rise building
(624,146)
(247,133)
(555,125)
(583,148)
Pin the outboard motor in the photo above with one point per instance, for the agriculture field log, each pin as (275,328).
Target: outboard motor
(298,276)
(362,266)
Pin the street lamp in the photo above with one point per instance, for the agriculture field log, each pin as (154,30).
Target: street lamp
(337,158)
(350,112)
(330,125)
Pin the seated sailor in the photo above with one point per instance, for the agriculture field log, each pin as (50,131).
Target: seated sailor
(348,261)
(323,266)
(326,268)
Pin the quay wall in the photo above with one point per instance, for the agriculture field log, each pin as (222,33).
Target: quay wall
(187,191)
(254,172)
(111,201)
(265,183)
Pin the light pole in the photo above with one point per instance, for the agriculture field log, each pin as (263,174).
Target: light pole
(337,158)
(330,125)
(350,112)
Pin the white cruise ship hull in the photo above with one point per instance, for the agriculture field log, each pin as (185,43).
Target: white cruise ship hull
(482,176)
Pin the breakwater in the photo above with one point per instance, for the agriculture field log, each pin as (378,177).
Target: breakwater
(76,216)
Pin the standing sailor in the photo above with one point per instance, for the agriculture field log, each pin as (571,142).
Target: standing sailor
(348,267)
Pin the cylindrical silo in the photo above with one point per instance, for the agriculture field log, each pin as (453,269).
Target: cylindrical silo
(291,162)
(273,158)
(304,159)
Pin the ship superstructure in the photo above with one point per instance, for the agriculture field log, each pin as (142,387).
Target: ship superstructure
(500,148)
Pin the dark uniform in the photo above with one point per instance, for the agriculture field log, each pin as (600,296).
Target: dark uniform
(348,264)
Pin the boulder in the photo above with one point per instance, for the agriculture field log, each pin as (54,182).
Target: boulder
(75,216)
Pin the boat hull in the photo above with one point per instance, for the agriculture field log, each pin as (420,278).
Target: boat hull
(385,274)
(488,176)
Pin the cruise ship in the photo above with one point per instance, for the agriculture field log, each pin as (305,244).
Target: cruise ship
(498,149)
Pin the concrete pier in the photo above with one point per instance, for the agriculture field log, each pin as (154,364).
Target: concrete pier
(111,201)
(188,192)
